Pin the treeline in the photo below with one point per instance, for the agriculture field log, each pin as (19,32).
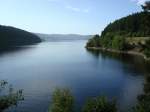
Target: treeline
(116,35)
(109,41)
(10,36)
(135,25)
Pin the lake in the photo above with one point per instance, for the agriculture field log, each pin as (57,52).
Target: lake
(39,69)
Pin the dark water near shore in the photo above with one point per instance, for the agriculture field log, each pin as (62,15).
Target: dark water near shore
(39,69)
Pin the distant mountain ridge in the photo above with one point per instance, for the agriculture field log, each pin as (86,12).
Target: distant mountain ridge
(11,36)
(63,37)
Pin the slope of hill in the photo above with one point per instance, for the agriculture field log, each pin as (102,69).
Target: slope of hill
(63,37)
(135,25)
(128,34)
(10,36)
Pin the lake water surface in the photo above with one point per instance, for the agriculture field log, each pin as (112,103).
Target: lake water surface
(39,69)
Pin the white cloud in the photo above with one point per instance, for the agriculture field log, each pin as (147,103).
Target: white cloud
(66,5)
(76,9)
(139,2)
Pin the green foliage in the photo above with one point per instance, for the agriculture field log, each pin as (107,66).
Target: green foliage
(10,36)
(147,48)
(118,43)
(144,100)
(107,40)
(94,42)
(100,104)
(147,52)
(116,34)
(62,101)
(11,97)
(135,25)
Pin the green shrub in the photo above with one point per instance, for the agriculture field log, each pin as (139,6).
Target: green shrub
(100,104)
(62,101)
(147,52)
(11,97)
(144,99)
(147,48)
(94,42)
(118,43)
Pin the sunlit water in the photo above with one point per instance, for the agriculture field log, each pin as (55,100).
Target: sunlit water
(39,69)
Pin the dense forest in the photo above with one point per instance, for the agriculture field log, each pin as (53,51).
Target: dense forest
(131,33)
(135,25)
(10,36)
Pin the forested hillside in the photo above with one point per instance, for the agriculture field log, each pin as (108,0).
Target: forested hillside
(131,33)
(10,36)
(135,25)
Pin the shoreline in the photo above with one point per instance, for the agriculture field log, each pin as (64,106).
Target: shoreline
(119,51)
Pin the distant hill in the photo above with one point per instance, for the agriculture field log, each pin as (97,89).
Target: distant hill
(10,36)
(63,37)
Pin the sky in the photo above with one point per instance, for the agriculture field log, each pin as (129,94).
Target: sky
(65,16)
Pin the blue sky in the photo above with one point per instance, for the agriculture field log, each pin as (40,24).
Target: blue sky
(65,16)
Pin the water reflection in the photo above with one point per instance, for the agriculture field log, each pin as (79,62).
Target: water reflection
(12,50)
(15,49)
(130,62)
(41,68)
(136,64)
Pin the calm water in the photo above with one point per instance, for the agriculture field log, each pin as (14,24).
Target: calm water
(39,69)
